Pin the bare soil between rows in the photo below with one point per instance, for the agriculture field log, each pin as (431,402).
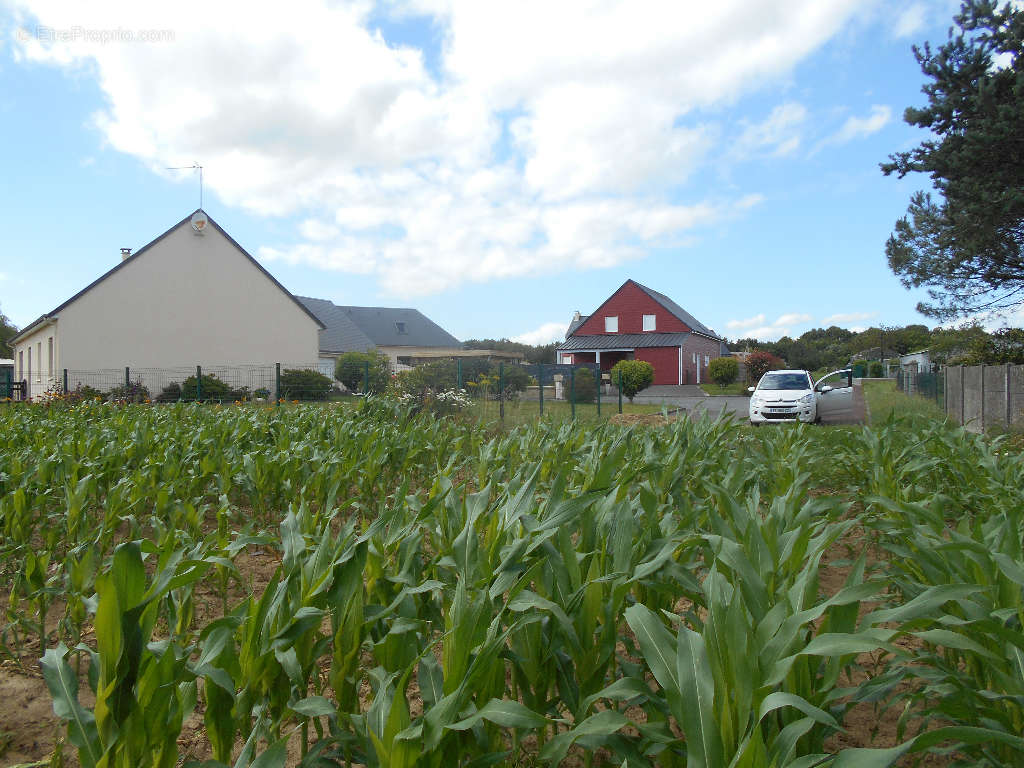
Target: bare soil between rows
(30,732)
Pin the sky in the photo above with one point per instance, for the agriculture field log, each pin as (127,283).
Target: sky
(497,166)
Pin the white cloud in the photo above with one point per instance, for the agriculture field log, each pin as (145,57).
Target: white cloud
(843,318)
(793,318)
(756,328)
(750,322)
(911,20)
(861,127)
(545,334)
(778,135)
(556,136)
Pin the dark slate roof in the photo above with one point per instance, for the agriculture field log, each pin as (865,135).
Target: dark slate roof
(678,311)
(574,324)
(623,341)
(361,328)
(340,334)
(149,245)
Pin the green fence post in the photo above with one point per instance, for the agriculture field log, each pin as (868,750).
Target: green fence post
(127,379)
(620,390)
(366,378)
(540,381)
(572,391)
(599,390)
(458,377)
(501,391)
(199,384)
(65,381)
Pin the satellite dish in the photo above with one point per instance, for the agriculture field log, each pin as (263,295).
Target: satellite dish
(199,222)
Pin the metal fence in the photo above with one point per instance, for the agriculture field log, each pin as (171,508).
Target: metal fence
(980,397)
(499,389)
(214,383)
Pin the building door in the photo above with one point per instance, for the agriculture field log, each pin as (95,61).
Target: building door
(6,379)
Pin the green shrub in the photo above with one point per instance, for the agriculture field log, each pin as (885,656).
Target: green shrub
(584,385)
(170,394)
(516,378)
(637,375)
(133,392)
(212,388)
(759,363)
(876,370)
(435,376)
(305,384)
(351,369)
(724,371)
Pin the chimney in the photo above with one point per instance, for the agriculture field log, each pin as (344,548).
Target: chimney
(125,253)
(576,316)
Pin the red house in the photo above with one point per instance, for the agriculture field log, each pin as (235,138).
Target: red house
(637,323)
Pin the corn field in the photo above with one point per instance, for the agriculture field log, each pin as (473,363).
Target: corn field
(442,594)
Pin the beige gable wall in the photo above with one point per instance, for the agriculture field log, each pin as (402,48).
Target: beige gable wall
(187,300)
(42,376)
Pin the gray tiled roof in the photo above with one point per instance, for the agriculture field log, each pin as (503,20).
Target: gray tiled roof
(678,311)
(623,341)
(574,324)
(361,328)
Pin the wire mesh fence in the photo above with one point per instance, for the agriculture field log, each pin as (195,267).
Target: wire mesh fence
(495,390)
(214,383)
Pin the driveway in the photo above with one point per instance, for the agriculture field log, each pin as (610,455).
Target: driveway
(692,398)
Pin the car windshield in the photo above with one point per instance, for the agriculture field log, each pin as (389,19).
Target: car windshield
(784,381)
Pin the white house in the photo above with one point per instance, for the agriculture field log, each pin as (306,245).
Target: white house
(193,296)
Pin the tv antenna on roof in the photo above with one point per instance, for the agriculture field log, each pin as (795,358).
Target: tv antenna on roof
(193,167)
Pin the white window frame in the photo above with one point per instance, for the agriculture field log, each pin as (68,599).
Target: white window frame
(611,324)
(652,325)
(707,361)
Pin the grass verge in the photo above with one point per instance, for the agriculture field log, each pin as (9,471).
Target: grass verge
(528,411)
(736,388)
(884,399)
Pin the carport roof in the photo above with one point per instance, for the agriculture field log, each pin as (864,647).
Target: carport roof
(623,341)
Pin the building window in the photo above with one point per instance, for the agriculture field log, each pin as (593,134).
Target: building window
(49,349)
(694,358)
(21,365)
(649,321)
(707,361)
(29,372)
(401,328)
(611,324)
(39,361)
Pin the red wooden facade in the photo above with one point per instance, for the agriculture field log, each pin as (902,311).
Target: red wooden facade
(680,351)
(629,304)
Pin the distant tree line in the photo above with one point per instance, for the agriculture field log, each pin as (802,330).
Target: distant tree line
(535,353)
(835,347)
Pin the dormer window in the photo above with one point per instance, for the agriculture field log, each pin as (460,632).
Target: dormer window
(401,328)
(611,324)
(649,322)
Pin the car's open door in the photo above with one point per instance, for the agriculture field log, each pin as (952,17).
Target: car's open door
(834,393)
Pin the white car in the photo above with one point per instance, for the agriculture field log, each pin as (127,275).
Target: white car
(793,396)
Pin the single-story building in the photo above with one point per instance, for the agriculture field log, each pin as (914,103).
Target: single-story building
(639,323)
(916,362)
(193,296)
(406,336)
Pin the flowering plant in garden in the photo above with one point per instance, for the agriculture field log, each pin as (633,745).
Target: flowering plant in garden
(440,403)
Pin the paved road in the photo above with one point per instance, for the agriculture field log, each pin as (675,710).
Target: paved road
(693,399)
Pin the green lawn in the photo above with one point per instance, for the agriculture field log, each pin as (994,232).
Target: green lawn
(528,411)
(736,388)
(883,399)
